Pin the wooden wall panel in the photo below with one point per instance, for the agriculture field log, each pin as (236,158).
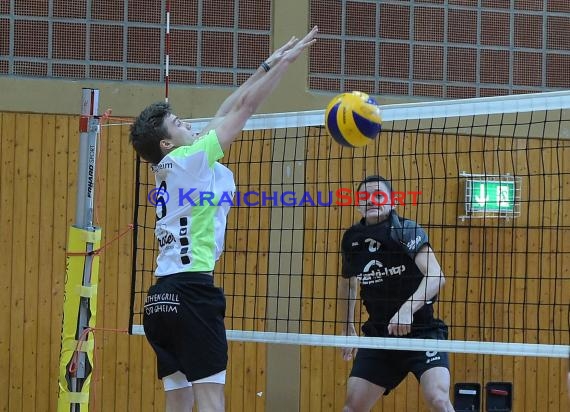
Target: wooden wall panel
(7,211)
(46,257)
(18,321)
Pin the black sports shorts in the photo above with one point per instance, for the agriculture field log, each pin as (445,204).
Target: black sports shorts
(387,368)
(184,322)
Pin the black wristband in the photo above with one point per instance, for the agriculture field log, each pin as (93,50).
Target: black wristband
(265,66)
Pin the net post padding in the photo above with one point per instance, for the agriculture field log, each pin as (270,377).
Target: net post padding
(82,274)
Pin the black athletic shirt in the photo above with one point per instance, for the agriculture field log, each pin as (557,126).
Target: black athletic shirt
(381,256)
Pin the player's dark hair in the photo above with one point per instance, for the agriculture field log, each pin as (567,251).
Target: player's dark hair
(148,130)
(375,178)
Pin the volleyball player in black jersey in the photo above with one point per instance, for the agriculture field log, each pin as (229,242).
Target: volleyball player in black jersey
(400,277)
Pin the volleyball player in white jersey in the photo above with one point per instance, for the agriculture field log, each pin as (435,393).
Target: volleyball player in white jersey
(184,311)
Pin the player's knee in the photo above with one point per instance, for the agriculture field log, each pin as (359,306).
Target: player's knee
(179,400)
(351,404)
(438,401)
(209,396)
(348,408)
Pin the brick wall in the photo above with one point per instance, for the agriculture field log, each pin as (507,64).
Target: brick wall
(212,42)
(433,48)
(437,48)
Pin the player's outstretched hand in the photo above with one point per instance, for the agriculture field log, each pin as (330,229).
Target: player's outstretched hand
(278,54)
(295,51)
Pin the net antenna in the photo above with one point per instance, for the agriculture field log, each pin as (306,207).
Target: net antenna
(167,52)
(275,314)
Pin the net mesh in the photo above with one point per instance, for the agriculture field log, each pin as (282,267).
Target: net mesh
(507,268)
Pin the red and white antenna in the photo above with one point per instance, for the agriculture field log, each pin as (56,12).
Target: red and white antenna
(167,51)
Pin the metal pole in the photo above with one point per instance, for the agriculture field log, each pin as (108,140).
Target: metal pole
(88,126)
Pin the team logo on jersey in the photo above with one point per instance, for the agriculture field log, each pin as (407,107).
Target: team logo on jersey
(375,272)
(373,245)
(412,244)
(161,166)
(166,240)
(432,356)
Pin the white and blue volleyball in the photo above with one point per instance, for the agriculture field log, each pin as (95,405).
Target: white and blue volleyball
(353,119)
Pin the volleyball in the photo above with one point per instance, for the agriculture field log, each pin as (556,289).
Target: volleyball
(353,119)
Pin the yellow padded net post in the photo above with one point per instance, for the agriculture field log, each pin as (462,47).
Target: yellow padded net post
(78,263)
(82,273)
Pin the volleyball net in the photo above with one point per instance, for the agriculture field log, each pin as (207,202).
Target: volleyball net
(492,190)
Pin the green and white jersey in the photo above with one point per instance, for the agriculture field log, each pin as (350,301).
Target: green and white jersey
(191,219)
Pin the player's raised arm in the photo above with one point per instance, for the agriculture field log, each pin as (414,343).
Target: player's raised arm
(251,97)
(230,102)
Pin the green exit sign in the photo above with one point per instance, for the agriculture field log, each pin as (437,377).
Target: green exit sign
(491,196)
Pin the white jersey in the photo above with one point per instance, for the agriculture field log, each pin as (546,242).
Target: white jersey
(195,193)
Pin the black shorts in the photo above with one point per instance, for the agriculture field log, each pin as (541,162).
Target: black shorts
(184,323)
(387,368)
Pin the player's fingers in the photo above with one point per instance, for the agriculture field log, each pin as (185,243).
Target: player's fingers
(310,42)
(311,34)
(292,41)
(398,329)
(289,42)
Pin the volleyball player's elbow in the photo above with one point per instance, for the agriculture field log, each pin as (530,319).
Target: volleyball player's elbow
(438,278)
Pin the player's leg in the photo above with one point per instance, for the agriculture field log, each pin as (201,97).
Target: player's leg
(159,326)
(374,373)
(431,369)
(179,400)
(178,393)
(209,397)
(361,395)
(435,384)
(209,392)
